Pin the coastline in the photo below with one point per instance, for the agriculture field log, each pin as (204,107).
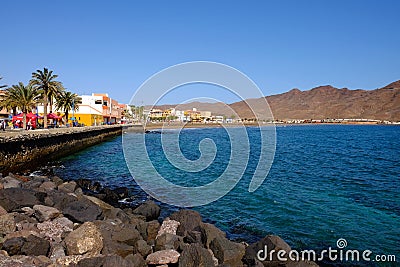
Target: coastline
(26,150)
(153,126)
(51,222)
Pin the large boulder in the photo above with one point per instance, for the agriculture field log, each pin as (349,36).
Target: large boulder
(168,226)
(168,241)
(54,230)
(149,209)
(271,242)
(143,248)
(82,210)
(67,187)
(189,220)
(47,186)
(13,245)
(163,257)
(86,239)
(10,182)
(152,230)
(118,238)
(45,213)
(227,252)
(209,232)
(59,200)
(194,255)
(137,260)
(35,246)
(267,244)
(126,234)
(16,198)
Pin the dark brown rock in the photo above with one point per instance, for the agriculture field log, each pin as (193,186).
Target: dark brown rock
(82,210)
(126,234)
(113,235)
(137,260)
(194,255)
(45,213)
(117,248)
(67,187)
(35,246)
(10,182)
(143,248)
(189,220)
(227,252)
(168,241)
(16,198)
(152,230)
(209,232)
(149,209)
(13,245)
(271,242)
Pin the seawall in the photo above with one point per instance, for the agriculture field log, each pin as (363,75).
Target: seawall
(25,150)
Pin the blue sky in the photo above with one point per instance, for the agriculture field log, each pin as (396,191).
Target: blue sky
(114,46)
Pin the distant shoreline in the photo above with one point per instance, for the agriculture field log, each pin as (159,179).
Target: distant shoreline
(152,126)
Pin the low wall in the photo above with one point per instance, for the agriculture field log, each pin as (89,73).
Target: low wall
(26,150)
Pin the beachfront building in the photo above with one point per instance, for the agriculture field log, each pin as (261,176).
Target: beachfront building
(205,116)
(97,109)
(156,114)
(218,119)
(180,116)
(3,112)
(194,115)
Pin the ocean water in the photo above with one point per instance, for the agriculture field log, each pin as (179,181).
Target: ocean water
(326,182)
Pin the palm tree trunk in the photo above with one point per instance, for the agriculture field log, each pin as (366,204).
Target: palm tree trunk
(66,117)
(24,120)
(45,112)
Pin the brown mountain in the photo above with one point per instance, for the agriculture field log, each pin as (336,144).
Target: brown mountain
(318,103)
(329,102)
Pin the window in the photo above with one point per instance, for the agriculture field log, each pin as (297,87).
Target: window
(104,103)
(98,102)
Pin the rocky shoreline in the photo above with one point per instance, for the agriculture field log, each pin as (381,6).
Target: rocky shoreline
(45,221)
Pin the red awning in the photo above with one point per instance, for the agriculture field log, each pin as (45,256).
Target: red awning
(53,116)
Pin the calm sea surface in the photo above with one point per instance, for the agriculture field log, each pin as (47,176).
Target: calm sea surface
(327,182)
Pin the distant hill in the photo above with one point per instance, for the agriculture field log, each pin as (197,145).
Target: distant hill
(318,103)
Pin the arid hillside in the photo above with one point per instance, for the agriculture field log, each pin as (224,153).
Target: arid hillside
(318,103)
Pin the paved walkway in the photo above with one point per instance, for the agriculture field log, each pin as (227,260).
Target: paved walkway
(11,134)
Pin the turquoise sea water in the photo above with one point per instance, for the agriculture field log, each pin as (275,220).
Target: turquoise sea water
(327,182)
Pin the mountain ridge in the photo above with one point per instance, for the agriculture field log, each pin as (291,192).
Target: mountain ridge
(321,102)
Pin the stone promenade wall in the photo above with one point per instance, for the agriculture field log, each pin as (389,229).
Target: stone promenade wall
(25,150)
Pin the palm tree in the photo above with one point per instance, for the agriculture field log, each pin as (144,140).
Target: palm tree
(2,86)
(44,81)
(67,101)
(23,97)
(7,103)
